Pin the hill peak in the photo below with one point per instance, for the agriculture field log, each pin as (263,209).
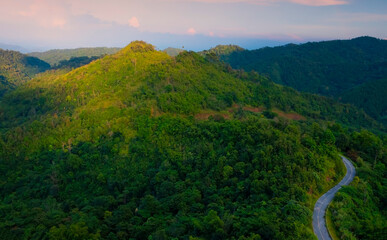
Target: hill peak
(224,49)
(138,46)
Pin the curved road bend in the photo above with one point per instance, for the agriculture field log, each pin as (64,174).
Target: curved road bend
(322,203)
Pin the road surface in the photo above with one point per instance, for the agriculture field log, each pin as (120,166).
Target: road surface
(322,203)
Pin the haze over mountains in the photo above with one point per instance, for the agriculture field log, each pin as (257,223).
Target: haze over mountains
(139,144)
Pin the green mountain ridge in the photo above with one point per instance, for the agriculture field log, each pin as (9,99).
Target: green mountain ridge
(17,68)
(55,56)
(119,149)
(328,68)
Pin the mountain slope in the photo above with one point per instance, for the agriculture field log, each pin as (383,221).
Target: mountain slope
(371,96)
(145,78)
(54,57)
(119,149)
(17,68)
(328,68)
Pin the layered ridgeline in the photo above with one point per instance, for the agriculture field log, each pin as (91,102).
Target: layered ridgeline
(17,68)
(146,146)
(331,68)
(54,57)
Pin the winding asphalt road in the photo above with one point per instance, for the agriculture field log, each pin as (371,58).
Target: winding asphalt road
(322,203)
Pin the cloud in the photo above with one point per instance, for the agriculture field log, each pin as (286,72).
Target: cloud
(318,3)
(58,22)
(133,22)
(191,31)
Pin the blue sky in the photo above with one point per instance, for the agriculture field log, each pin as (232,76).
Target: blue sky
(194,24)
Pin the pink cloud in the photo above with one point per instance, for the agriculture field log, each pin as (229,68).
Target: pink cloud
(44,13)
(320,2)
(134,22)
(191,31)
(58,22)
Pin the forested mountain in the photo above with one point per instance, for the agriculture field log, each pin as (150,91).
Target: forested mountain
(329,68)
(146,146)
(17,68)
(223,50)
(54,57)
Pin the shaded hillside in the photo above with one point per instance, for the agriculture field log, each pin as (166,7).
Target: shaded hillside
(17,68)
(74,62)
(116,150)
(5,86)
(328,68)
(371,96)
(55,56)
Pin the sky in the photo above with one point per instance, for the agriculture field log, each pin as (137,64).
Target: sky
(192,24)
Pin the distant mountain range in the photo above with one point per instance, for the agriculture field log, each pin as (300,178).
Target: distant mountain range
(54,57)
(173,52)
(13,48)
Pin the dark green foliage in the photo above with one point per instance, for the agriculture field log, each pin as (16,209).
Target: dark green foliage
(371,96)
(359,211)
(269,114)
(54,57)
(116,150)
(4,85)
(329,68)
(75,62)
(17,68)
(180,178)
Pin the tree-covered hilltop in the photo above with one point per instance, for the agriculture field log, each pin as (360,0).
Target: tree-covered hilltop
(55,56)
(141,145)
(329,68)
(223,51)
(17,68)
